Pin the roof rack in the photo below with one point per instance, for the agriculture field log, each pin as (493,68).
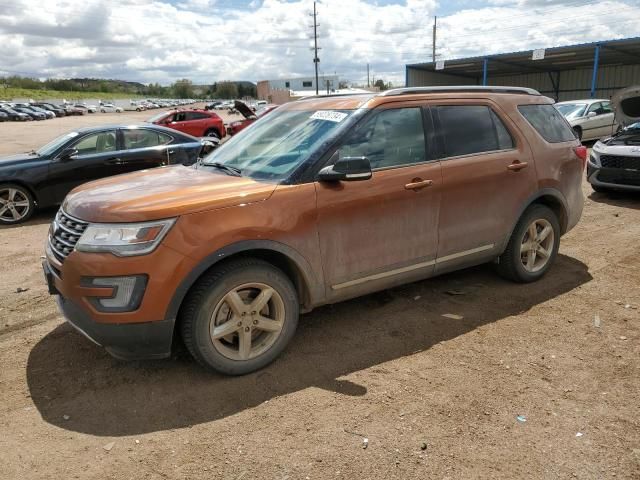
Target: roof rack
(459,89)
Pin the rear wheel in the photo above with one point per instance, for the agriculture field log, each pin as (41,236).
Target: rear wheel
(240,316)
(533,245)
(212,133)
(16,204)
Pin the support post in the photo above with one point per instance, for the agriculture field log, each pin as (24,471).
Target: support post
(485,64)
(406,76)
(594,78)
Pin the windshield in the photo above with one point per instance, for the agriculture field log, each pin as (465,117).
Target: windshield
(277,144)
(53,145)
(572,110)
(157,117)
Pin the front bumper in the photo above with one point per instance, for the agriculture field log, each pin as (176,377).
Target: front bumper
(613,178)
(133,341)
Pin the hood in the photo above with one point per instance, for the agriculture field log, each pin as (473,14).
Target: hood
(626,104)
(8,160)
(244,109)
(161,193)
(630,136)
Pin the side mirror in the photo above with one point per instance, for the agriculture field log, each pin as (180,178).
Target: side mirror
(68,154)
(591,114)
(346,169)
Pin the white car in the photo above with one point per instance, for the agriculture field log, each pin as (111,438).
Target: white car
(109,107)
(590,119)
(614,163)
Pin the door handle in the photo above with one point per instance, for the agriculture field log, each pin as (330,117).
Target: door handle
(417,184)
(115,161)
(517,165)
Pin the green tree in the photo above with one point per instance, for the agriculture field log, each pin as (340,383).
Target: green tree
(226,90)
(183,88)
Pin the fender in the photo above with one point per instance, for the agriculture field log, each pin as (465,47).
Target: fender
(315,287)
(545,192)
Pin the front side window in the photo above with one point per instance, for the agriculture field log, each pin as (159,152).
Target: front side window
(472,129)
(606,107)
(548,122)
(273,148)
(389,138)
(97,143)
(595,107)
(134,138)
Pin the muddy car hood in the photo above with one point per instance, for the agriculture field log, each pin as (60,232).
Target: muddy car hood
(626,104)
(162,193)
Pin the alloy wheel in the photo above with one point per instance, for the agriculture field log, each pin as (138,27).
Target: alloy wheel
(14,204)
(537,245)
(247,321)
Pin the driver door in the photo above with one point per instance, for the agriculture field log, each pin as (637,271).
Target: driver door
(383,231)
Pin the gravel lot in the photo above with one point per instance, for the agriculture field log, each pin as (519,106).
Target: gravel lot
(434,396)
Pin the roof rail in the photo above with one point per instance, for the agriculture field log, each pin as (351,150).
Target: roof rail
(327,95)
(459,89)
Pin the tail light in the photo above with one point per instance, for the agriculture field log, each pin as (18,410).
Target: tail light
(581,153)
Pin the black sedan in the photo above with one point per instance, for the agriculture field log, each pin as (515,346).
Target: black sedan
(32,113)
(14,115)
(43,177)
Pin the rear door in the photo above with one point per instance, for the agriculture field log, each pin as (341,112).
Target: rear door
(382,231)
(487,173)
(145,148)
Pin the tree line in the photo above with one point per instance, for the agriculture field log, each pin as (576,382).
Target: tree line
(180,89)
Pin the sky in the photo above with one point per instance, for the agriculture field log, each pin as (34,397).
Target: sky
(162,41)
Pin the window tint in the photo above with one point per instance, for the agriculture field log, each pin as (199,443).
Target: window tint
(143,138)
(389,138)
(595,107)
(606,107)
(548,122)
(97,143)
(195,116)
(469,129)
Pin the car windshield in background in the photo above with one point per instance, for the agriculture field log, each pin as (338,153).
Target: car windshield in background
(275,146)
(53,145)
(572,110)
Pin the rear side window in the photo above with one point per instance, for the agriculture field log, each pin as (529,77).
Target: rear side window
(134,138)
(470,129)
(548,122)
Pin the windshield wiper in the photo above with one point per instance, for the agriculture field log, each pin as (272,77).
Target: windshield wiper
(236,172)
(33,152)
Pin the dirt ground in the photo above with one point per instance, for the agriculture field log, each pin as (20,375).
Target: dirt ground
(435,397)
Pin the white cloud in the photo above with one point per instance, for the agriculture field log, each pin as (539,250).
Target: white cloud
(209,40)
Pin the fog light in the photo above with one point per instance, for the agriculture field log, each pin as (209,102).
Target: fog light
(127,292)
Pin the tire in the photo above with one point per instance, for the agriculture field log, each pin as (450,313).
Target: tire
(20,199)
(206,303)
(512,265)
(578,132)
(600,189)
(212,132)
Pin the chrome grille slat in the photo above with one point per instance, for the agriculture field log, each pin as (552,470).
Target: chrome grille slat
(64,234)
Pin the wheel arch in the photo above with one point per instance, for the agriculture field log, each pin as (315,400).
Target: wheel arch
(310,289)
(550,197)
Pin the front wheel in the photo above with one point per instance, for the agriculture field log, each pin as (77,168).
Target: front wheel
(533,246)
(16,204)
(212,133)
(240,316)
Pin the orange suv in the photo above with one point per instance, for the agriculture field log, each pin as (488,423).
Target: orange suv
(324,199)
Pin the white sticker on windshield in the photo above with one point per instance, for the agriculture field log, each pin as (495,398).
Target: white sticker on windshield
(329,116)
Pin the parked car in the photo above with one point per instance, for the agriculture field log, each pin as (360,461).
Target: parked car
(57,111)
(614,162)
(330,199)
(4,117)
(590,119)
(43,177)
(212,105)
(109,107)
(86,108)
(249,116)
(72,110)
(32,113)
(14,115)
(48,113)
(199,123)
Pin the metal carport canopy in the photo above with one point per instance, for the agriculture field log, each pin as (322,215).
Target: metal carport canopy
(592,55)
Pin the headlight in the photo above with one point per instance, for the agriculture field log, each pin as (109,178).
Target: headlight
(594,157)
(126,239)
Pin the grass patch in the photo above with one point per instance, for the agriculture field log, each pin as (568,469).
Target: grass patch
(10,93)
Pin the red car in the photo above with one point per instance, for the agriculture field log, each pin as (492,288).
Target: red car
(249,116)
(199,123)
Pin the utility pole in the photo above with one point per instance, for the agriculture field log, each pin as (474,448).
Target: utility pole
(368,82)
(316,60)
(435,26)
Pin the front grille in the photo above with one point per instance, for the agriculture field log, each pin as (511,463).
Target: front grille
(620,177)
(64,234)
(617,161)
